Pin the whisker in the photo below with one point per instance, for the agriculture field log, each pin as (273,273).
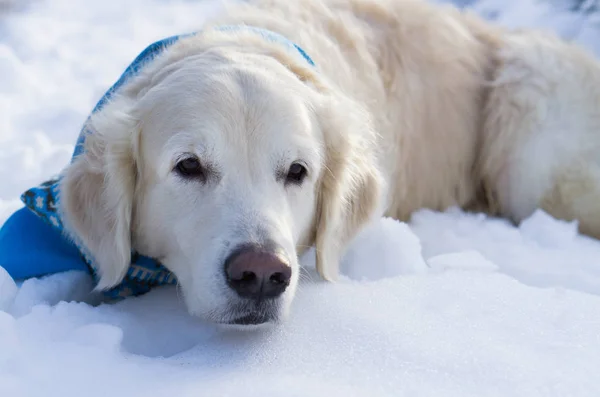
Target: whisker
(306,246)
(305,276)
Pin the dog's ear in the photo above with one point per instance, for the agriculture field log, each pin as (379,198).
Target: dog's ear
(96,193)
(351,186)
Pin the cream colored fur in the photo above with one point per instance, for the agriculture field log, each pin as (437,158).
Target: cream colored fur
(411,105)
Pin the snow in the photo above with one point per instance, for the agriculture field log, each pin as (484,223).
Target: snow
(8,290)
(453,304)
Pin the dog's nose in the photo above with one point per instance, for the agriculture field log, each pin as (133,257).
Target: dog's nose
(256,273)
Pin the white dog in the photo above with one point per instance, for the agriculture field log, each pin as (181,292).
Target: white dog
(230,154)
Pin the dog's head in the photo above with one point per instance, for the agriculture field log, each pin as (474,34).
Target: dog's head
(224,164)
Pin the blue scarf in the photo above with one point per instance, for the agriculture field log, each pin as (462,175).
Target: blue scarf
(33,241)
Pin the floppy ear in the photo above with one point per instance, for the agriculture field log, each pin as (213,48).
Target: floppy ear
(96,193)
(351,186)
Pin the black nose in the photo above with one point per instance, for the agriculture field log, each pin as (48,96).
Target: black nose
(256,272)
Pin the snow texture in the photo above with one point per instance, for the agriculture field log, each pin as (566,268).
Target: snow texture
(452,304)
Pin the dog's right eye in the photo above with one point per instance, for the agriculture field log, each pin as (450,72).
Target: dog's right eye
(296,174)
(190,168)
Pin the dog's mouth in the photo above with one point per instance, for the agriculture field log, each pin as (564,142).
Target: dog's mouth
(253,313)
(252,319)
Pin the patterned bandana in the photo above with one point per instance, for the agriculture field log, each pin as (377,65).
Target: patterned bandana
(144,272)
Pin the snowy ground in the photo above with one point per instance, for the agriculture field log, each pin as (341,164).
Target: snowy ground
(498,311)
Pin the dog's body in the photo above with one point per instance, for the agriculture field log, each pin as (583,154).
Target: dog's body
(468,114)
(411,105)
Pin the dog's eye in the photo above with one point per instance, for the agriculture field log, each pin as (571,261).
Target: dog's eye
(296,174)
(190,168)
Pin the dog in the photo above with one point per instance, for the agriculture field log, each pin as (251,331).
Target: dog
(230,154)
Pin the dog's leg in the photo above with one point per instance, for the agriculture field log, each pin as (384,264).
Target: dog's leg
(575,194)
(541,137)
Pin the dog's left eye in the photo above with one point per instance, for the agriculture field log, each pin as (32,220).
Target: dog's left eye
(190,168)
(296,174)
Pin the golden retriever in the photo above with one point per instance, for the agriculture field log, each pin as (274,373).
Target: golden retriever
(229,155)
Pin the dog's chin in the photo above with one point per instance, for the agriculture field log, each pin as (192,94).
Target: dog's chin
(252,315)
(247,327)
(252,318)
